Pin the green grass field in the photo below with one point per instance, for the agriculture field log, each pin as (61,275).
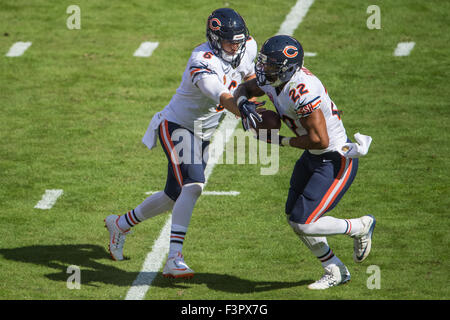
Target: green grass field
(75,106)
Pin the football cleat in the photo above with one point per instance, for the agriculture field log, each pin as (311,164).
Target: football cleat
(116,237)
(176,268)
(334,275)
(362,243)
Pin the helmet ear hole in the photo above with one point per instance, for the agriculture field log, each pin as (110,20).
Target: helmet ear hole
(291,69)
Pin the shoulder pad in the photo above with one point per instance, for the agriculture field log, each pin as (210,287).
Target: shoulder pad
(202,62)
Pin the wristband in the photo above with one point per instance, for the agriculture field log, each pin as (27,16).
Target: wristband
(240,99)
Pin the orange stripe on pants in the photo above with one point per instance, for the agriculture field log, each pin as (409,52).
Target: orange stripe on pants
(321,207)
(168,143)
(347,175)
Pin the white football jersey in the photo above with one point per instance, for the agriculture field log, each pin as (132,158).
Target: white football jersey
(303,94)
(189,106)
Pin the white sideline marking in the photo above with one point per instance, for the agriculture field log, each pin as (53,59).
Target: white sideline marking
(310,54)
(404,49)
(154,260)
(18,49)
(295,17)
(142,283)
(217,146)
(49,199)
(146,49)
(210,193)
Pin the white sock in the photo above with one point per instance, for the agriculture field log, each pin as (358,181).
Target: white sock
(354,226)
(329,258)
(319,247)
(154,205)
(181,215)
(328,226)
(127,220)
(177,235)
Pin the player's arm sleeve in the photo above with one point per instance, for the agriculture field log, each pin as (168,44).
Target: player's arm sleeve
(307,97)
(211,87)
(305,108)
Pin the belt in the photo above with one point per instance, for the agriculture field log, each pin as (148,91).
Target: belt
(331,155)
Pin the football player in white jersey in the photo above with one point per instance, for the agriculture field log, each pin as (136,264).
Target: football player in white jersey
(184,128)
(329,163)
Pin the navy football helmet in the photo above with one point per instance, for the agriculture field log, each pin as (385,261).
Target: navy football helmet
(279,58)
(225,24)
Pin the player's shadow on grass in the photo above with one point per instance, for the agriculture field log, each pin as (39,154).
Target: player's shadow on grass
(227,283)
(93,272)
(60,257)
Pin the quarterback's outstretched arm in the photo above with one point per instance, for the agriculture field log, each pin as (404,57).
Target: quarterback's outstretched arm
(214,89)
(249,89)
(229,101)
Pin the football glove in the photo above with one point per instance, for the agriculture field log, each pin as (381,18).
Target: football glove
(356,150)
(248,113)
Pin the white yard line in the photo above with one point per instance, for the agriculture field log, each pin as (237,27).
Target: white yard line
(49,199)
(152,264)
(146,49)
(221,193)
(18,49)
(295,17)
(404,49)
(220,140)
(155,258)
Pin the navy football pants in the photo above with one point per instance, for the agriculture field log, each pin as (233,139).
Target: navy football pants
(186,154)
(317,184)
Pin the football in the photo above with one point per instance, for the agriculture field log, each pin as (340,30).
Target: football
(270,118)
